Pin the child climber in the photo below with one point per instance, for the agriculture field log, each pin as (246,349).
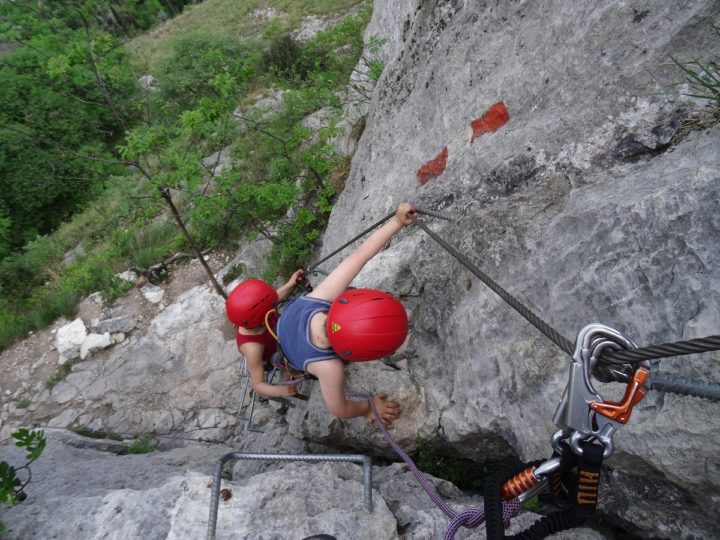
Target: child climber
(246,306)
(319,330)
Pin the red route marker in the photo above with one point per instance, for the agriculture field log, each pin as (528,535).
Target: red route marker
(433,168)
(493,119)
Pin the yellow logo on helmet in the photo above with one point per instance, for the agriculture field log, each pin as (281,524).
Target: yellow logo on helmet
(335,327)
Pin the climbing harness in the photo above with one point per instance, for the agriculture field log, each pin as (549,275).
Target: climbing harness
(278,363)
(270,372)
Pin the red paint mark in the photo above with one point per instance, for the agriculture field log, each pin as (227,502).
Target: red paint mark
(433,168)
(493,119)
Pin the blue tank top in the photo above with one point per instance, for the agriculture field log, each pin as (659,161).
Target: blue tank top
(294,332)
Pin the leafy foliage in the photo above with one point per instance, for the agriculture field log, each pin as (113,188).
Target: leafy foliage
(8,484)
(144,445)
(11,486)
(34,441)
(284,183)
(434,458)
(199,64)
(65,93)
(281,187)
(283,55)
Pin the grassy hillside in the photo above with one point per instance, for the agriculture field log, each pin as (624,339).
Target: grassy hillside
(207,61)
(239,19)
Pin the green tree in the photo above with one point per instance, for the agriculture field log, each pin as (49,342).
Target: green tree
(168,149)
(65,95)
(196,59)
(280,187)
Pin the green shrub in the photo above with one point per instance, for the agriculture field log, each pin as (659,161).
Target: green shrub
(435,458)
(116,289)
(283,56)
(149,245)
(12,489)
(144,445)
(283,188)
(197,59)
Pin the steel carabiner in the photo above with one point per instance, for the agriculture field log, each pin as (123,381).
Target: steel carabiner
(583,414)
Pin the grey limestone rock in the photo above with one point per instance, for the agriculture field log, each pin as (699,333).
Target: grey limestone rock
(68,340)
(152,293)
(590,205)
(124,324)
(82,489)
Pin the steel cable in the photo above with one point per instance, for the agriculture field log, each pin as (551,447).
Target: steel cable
(558,339)
(432,213)
(687,387)
(651,352)
(353,239)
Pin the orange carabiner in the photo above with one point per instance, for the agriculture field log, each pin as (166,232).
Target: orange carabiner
(620,411)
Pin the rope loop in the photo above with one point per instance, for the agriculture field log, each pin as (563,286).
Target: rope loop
(471,518)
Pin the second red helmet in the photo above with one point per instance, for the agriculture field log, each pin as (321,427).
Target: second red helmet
(249,302)
(366,324)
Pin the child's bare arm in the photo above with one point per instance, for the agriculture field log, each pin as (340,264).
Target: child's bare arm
(290,285)
(345,272)
(331,375)
(253,355)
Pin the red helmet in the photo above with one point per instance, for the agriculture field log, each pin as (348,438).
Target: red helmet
(249,302)
(366,324)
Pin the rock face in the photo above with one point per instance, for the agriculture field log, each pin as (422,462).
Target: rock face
(590,204)
(68,340)
(81,489)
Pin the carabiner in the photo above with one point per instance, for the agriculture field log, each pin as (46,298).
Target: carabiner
(582,413)
(620,411)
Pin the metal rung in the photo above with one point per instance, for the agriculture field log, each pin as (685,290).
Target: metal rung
(234,456)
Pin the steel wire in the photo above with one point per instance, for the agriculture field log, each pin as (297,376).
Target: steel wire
(664,350)
(706,390)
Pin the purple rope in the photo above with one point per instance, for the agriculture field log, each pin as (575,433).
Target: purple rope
(471,517)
